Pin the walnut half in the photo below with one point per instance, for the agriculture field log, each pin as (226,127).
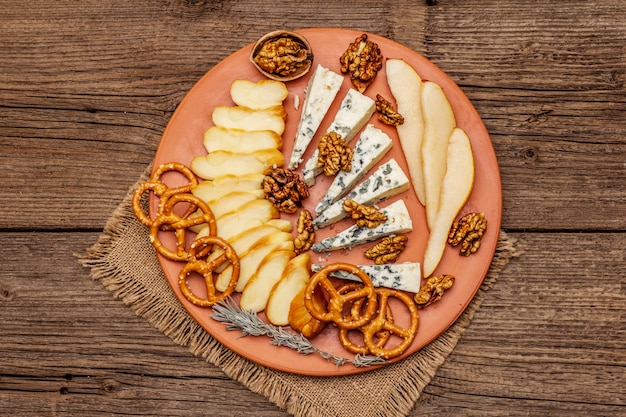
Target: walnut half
(386,112)
(467,232)
(334,155)
(364,216)
(362,60)
(284,188)
(387,250)
(433,290)
(306,234)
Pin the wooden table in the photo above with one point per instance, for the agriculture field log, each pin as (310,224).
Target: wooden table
(87,88)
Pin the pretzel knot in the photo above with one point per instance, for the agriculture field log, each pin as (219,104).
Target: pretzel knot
(161,190)
(179,223)
(382,322)
(338,301)
(198,262)
(381,337)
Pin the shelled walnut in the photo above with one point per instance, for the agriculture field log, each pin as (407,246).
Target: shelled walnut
(284,188)
(467,232)
(306,233)
(386,112)
(334,155)
(362,60)
(433,290)
(364,216)
(387,250)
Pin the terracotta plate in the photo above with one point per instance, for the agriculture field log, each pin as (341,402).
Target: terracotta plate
(182,140)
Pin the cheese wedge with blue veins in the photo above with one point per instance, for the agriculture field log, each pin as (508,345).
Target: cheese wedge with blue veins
(387,181)
(404,276)
(372,145)
(320,94)
(355,111)
(398,222)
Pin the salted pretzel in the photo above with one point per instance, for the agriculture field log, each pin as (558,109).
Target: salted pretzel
(337,301)
(382,336)
(199,249)
(380,322)
(179,223)
(161,190)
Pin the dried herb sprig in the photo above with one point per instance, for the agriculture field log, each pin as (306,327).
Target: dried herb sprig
(235,318)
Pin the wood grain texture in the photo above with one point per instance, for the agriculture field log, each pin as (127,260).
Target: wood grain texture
(86,90)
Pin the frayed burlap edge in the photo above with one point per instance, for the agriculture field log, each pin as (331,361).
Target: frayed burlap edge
(293,393)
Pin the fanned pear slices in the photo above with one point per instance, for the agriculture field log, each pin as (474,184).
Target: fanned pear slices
(439,121)
(456,188)
(406,87)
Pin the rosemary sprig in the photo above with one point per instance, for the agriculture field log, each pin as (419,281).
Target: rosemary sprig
(235,318)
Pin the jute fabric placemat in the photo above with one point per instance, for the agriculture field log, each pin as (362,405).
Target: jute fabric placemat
(125,263)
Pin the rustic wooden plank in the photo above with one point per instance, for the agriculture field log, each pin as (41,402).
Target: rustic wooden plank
(545,338)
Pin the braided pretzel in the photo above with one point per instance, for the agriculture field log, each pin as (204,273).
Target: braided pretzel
(382,336)
(180,224)
(337,301)
(380,322)
(198,250)
(163,191)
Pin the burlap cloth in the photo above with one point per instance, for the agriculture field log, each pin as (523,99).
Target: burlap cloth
(126,264)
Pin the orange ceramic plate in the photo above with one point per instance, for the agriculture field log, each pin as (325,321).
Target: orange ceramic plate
(182,140)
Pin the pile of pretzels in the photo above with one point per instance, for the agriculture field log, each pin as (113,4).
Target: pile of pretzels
(196,212)
(354,308)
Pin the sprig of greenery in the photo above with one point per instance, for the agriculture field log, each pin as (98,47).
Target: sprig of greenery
(235,318)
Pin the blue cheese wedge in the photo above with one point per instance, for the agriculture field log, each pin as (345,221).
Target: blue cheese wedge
(355,111)
(387,181)
(398,222)
(320,94)
(405,276)
(372,145)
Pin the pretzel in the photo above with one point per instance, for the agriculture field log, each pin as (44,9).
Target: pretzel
(180,224)
(382,336)
(198,250)
(380,322)
(337,301)
(161,190)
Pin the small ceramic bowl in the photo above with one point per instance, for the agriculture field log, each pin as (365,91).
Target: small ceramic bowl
(298,62)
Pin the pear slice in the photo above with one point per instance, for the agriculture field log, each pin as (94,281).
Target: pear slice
(406,87)
(295,277)
(262,94)
(456,188)
(245,118)
(257,290)
(215,189)
(218,138)
(439,121)
(220,163)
